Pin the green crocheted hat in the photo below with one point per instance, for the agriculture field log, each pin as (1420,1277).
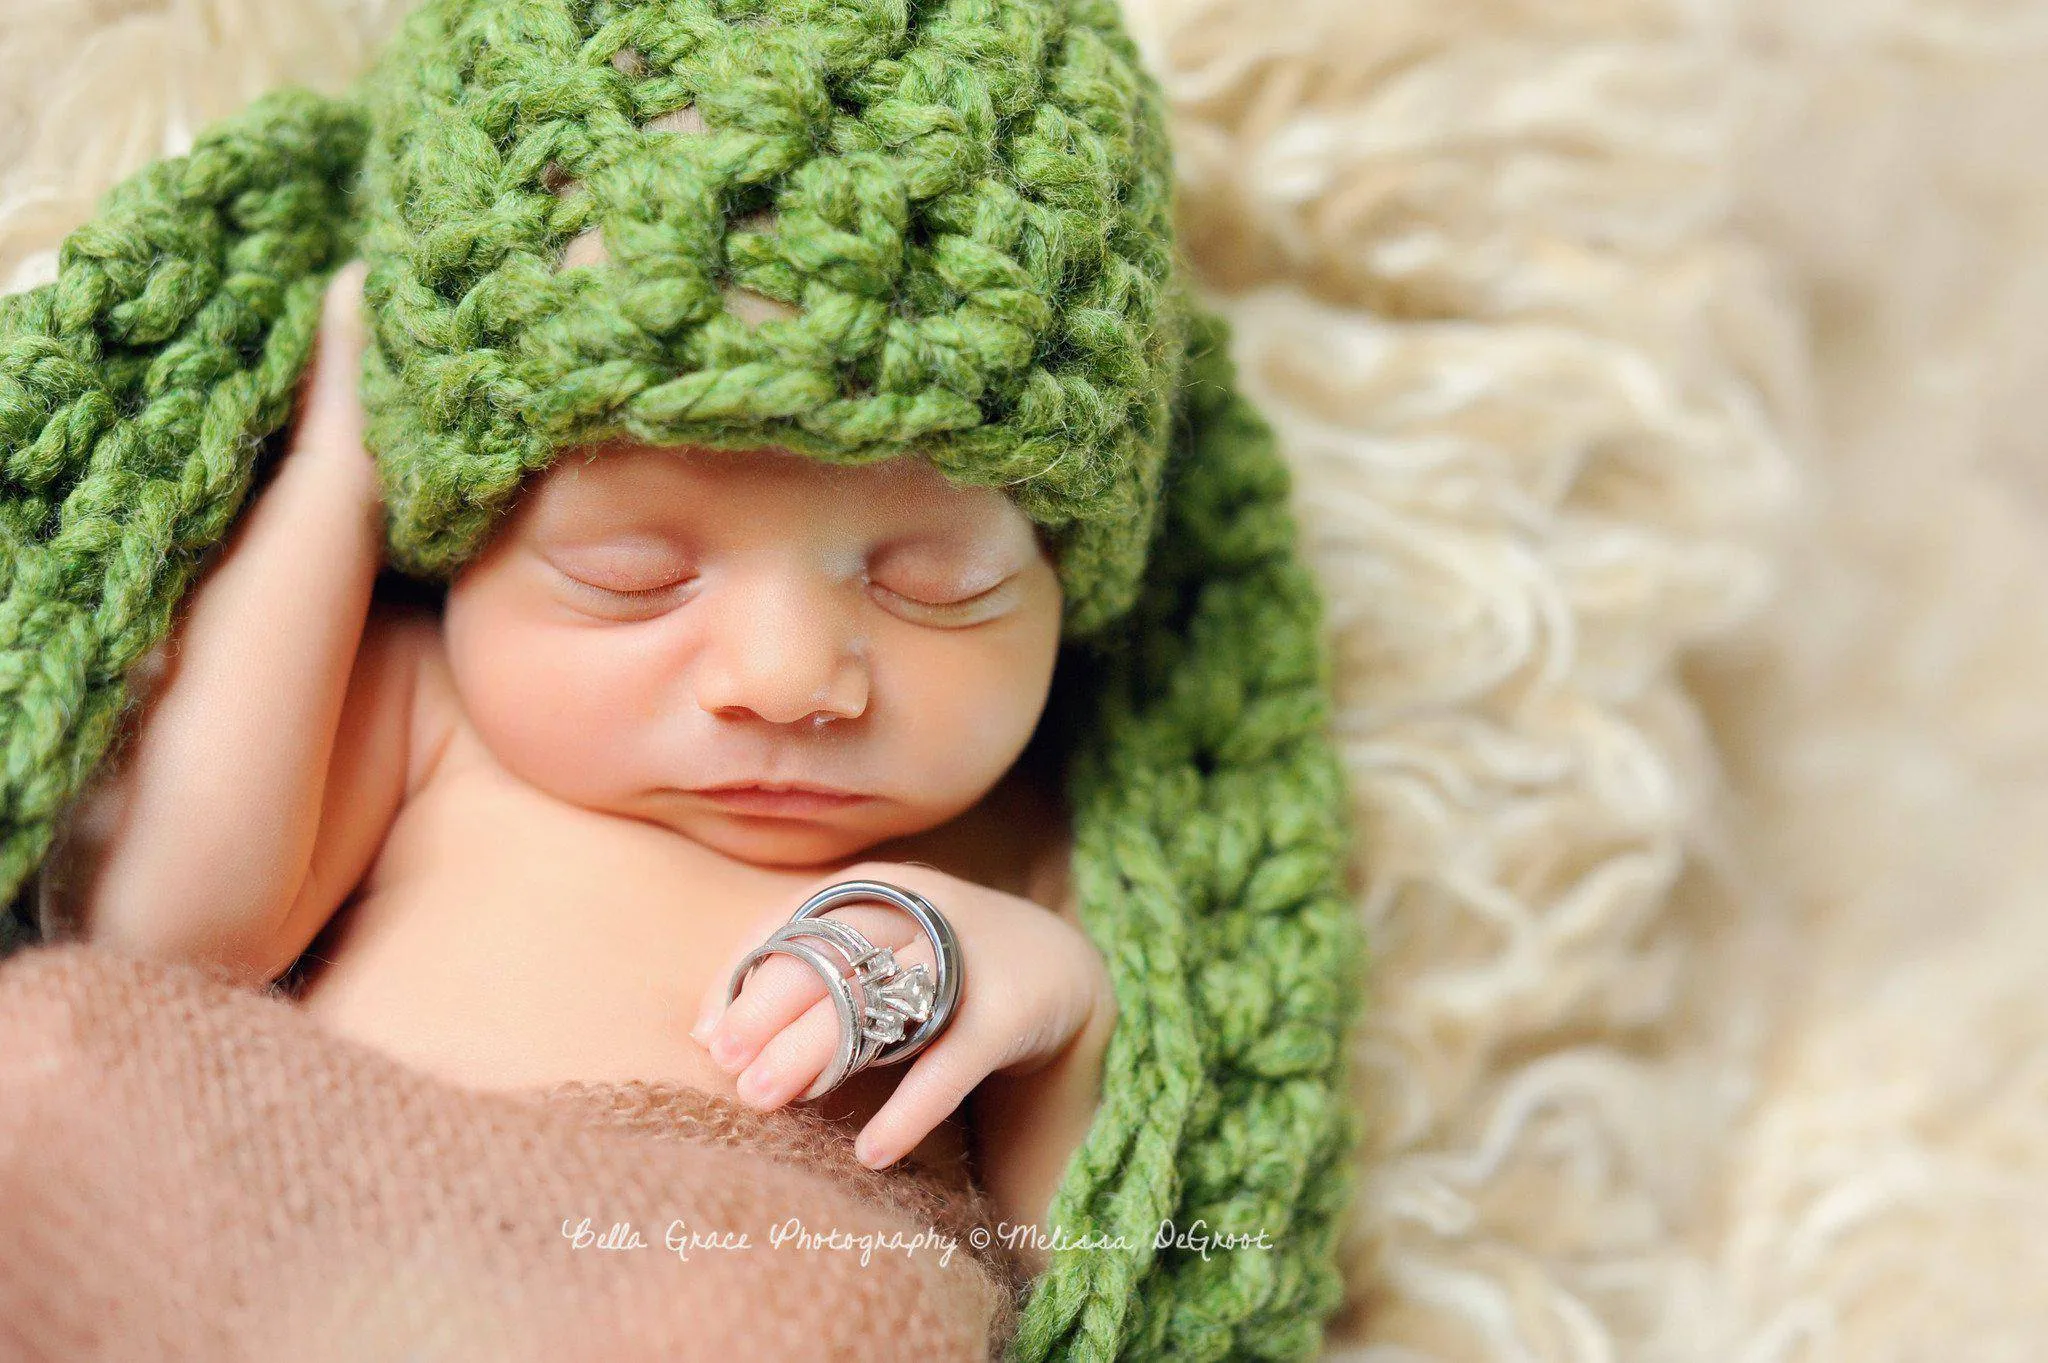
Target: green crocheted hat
(849,228)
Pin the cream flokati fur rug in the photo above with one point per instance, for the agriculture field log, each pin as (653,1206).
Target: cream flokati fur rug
(1662,385)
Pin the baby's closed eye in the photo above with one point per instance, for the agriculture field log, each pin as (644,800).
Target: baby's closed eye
(624,576)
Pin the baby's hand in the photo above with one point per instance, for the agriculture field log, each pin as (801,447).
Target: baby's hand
(1032,982)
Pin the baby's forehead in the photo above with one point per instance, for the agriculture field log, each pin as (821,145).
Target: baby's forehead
(645,477)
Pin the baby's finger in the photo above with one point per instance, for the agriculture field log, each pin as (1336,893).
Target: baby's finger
(776,993)
(774,970)
(940,1078)
(780,972)
(330,413)
(793,1058)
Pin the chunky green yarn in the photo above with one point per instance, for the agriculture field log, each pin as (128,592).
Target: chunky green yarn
(972,227)
(971,211)
(135,391)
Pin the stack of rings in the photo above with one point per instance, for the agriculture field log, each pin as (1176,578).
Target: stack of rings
(874,997)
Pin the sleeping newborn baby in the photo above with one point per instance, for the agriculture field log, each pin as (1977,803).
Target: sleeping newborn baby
(527,837)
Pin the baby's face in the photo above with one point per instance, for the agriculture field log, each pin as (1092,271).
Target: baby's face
(650,621)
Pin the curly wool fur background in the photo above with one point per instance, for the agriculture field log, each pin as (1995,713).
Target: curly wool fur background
(1660,383)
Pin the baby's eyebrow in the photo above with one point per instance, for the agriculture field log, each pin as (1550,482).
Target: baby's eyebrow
(601,521)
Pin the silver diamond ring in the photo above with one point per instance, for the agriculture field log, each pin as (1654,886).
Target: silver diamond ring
(874,997)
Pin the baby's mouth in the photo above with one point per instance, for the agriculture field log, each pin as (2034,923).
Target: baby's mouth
(785,801)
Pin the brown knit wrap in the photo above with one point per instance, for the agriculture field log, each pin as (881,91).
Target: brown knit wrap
(194,1169)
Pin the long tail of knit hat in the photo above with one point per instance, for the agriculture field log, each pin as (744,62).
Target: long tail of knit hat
(849,228)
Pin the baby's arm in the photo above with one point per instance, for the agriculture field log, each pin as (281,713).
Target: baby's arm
(217,851)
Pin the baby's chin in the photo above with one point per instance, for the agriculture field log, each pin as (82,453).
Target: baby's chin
(788,844)
(779,841)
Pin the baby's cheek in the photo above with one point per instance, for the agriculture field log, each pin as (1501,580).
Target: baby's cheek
(544,706)
(976,705)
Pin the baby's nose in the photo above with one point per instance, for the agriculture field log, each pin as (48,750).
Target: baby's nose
(781,705)
(784,660)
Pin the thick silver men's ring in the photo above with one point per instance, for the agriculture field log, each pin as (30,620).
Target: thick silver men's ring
(877,998)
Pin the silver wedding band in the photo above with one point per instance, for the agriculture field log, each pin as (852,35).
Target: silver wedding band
(873,995)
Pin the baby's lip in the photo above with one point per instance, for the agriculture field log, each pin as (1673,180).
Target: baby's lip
(788,801)
(779,787)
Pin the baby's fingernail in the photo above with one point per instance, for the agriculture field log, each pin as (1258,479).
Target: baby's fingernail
(755,1085)
(864,1150)
(706,1019)
(726,1051)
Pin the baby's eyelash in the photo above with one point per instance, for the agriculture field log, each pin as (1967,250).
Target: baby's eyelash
(947,606)
(639,592)
(939,611)
(617,594)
